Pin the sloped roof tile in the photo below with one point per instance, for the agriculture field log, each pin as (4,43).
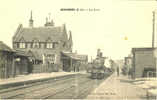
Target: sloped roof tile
(40,33)
(21,53)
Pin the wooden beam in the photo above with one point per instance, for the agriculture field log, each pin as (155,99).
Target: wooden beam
(13,68)
(5,64)
(65,58)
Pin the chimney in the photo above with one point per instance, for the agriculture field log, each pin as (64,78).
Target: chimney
(31,20)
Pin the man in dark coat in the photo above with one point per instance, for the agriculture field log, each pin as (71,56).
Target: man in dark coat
(118,71)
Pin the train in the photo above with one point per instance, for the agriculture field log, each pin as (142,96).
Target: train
(98,68)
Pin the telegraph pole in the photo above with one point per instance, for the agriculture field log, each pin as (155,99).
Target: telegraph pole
(153,33)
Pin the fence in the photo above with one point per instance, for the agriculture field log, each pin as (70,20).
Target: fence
(151,74)
(45,68)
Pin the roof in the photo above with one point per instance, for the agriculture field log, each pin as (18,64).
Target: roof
(83,57)
(143,49)
(4,47)
(35,55)
(38,53)
(40,33)
(21,53)
(128,57)
(71,55)
(75,56)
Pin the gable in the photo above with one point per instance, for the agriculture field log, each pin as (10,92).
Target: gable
(17,31)
(22,39)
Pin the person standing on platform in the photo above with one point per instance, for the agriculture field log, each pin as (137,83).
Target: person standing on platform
(117,70)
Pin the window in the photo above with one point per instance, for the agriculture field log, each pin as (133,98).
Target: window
(22,45)
(17,59)
(49,45)
(36,45)
(55,44)
(51,58)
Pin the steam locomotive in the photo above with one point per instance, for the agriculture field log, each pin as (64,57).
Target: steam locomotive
(98,68)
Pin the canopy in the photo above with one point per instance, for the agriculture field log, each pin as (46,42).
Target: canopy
(75,56)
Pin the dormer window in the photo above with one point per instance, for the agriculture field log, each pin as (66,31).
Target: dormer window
(49,45)
(22,45)
(36,45)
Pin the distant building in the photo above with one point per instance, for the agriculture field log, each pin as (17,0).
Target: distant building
(82,62)
(143,61)
(74,62)
(45,44)
(120,63)
(128,61)
(127,66)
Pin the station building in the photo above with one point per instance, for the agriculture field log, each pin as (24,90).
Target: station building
(44,44)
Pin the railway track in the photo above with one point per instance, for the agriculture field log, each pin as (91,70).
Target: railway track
(66,90)
(52,90)
(27,84)
(22,90)
(77,86)
(79,92)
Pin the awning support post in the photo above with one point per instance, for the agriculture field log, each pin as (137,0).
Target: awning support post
(71,64)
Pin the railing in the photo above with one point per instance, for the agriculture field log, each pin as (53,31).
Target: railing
(151,74)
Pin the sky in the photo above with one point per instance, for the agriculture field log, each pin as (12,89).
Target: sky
(105,29)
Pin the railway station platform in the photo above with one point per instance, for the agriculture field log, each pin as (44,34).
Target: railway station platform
(118,88)
(35,77)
